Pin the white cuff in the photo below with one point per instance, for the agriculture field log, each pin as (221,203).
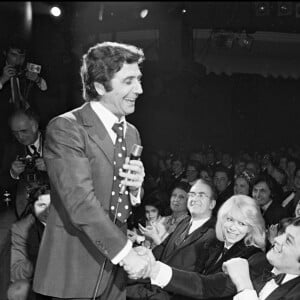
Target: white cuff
(246,294)
(164,275)
(123,253)
(135,200)
(42,84)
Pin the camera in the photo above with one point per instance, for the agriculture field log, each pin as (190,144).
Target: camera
(28,160)
(33,68)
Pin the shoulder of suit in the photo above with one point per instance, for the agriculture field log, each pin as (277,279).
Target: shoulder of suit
(131,126)
(23,224)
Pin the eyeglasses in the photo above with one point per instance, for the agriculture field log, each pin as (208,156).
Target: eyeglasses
(199,195)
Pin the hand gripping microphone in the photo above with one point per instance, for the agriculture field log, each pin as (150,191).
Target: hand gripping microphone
(135,154)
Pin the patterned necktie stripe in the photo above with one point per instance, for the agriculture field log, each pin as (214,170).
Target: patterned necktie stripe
(120,206)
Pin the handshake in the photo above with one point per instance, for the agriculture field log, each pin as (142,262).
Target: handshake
(139,263)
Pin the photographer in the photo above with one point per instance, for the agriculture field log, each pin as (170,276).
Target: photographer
(17,79)
(23,167)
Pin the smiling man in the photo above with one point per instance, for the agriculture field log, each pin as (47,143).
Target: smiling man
(85,242)
(284,259)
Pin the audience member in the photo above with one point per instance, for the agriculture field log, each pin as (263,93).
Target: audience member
(188,247)
(284,262)
(265,195)
(241,233)
(192,172)
(223,185)
(26,235)
(243,183)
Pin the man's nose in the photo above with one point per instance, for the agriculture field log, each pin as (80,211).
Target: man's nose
(138,88)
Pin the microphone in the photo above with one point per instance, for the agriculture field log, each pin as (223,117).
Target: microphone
(135,154)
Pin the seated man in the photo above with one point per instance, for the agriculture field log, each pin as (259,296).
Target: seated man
(23,167)
(284,259)
(188,244)
(26,235)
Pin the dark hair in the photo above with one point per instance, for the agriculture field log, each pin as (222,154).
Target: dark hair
(102,61)
(29,113)
(17,42)
(223,169)
(155,199)
(185,186)
(270,182)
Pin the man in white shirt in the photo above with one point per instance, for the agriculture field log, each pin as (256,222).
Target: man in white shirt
(85,240)
(284,257)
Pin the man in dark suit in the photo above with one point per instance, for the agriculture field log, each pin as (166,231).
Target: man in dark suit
(264,194)
(85,242)
(189,245)
(23,167)
(284,259)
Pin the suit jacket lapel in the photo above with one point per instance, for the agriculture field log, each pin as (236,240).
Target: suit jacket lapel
(171,245)
(96,130)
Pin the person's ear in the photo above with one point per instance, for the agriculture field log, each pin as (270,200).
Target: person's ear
(99,87)
(212,204)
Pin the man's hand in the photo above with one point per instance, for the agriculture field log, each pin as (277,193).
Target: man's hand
(238,270)
(8,72)
(40,164)
(133,173)
(17,167)
(137,264)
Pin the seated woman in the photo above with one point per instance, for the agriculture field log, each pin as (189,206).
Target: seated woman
(241,233)
(243,183)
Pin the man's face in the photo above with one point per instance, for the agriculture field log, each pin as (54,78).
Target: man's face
(241,186)
(221,181)
(191,173)
(285,253)
(200,204)
(126,87)
(226,160)
(42,207)
(297,180)
(261,193)
(24,129)
(15,57)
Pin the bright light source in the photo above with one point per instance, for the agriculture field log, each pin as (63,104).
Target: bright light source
(183,11)
(55,11)
(144,13)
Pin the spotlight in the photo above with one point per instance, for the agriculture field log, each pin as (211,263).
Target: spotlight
(262,9)
(183,10)
(55,11)
(144,13)
(284,8)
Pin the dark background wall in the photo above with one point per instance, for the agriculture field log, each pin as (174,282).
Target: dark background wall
(182,107)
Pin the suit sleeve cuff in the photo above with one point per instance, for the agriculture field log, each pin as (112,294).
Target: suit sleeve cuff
(123,253)
(135,200)
(163,276)
(246,294)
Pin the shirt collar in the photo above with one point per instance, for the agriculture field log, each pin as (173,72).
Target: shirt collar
(287,277)
(106,116)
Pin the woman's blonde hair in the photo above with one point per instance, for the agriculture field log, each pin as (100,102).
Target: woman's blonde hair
(252,217)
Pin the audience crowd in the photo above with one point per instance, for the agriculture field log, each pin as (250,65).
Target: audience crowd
(203,215)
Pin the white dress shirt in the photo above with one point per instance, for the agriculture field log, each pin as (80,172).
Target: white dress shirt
(109,119)
(268,288)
